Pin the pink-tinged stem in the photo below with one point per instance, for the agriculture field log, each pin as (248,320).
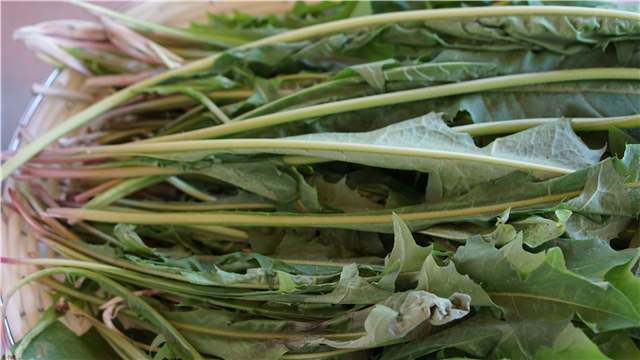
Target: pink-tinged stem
(54,156)
(71,29)
(56,225)
(123,172)
(133,53)
(42,194)
(22,177)
(102,45)
(6,155)
(49,47)
(66,160)
(30,220)
(12,261)
(118,80)
(9,206)
(71,204)
(98,189)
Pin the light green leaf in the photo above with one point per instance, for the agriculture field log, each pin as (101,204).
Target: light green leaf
(48,318)
(446,280)
(240,346)
(329,244)
(340,196)
(262,178)
(131,242)
(550,293)
(591,258)
(307,194)
(405,250)
(581,227)
(285,281)
(352,289)
(631,160)
(617,345)
(605,194)
(57,342)
(624,280)
(571,344)
(618,140)
(537,230)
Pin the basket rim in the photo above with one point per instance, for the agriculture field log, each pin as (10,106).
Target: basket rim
(14,143)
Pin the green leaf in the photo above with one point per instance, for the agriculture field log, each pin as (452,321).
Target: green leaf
(379,76)
(591,258)
(631,160)
(525,61)
(410,255)
(262,178)
(624,280)
(57,342)
(617,345)
(618,140)
(328,244)
(285,281)
(446,280)
(240,346)
(307,194)
(203,84)
(340,196)
(131,242)
(565,35)
(547,294)
(48,318)
(604,228)
(571,343)
(605,194)
(352,289)
(537,230)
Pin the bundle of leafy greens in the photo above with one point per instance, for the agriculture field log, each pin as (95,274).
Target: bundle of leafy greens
(350,180)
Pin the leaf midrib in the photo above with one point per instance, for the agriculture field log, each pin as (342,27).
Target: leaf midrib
(557,300)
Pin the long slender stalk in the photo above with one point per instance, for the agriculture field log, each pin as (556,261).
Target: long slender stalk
(303,220)
(405,96)
(578,124)
(120,97)
(122,172)
(85,195)
(123,189)
(190,189)
(331,149)
(479,129)
(194,206)
(213,108)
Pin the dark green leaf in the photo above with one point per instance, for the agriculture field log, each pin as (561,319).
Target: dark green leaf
(57,342)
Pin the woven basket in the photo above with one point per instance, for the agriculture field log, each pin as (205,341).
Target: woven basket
(18,240)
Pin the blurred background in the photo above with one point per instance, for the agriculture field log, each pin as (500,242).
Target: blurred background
(20,68)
